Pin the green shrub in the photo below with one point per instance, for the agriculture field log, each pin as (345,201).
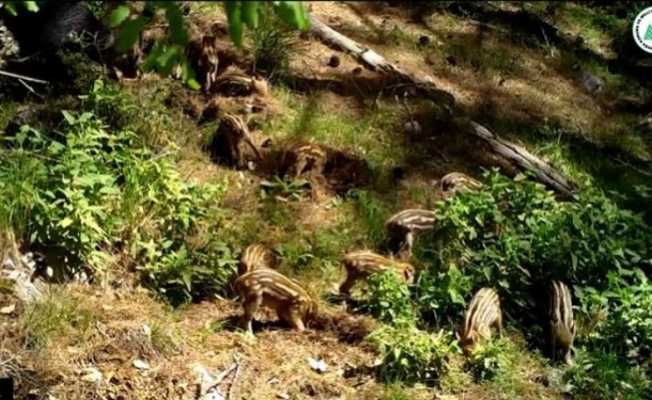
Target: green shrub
(490,358)
(601,376)
(87,194)
(388,298)
(627,328)
(441,294)
(411,355)
(515,234)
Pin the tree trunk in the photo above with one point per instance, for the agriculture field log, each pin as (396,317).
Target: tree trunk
(523,159)
(425,86)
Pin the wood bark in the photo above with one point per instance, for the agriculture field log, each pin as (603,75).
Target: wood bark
(525,160)
(425,86)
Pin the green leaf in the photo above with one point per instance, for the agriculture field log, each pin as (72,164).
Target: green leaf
(118,15)
(11,8)
(233,13)
(65,222)
(178,32)
(129,33)
(70,119)
(31,6)
(293,13)
(250,13)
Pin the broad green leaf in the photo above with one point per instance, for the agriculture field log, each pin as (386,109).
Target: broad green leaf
(250,13)
(129,33)
(178,32)
(118,15)
(65,222)
(31,6)
(233,13)
(70,119)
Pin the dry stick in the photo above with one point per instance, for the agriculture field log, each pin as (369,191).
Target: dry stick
(375,62)
(221,377)
(526,160)
(425,85)
(235,377)
(23,77)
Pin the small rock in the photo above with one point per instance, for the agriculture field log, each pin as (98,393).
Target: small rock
(283,396)
(334,61)
(140,364)
(91,374)
(591,83)
(8,309)
(147,330)
(317,365)
(424,40)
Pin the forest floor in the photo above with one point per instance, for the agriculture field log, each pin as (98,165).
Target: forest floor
(526,92)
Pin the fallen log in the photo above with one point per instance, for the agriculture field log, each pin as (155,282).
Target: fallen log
(523,159)
(515,154)
(375,62)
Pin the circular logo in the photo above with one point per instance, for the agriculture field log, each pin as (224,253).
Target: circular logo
(642,30)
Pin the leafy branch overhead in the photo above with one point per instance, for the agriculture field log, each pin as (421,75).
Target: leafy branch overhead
(11,6)
(169,52)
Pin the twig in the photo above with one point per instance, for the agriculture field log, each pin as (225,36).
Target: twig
(635,168)
(221,377)
(30,88)
(18,76)
(235,377)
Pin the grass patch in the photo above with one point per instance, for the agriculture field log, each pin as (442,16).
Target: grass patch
(59,313)
(371,134)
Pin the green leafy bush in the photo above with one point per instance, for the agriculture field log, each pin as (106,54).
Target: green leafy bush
(516,234)
(627,326)
(411,355)
(601,376)
(441,294)
(490,358)
(388,298)
(87,198)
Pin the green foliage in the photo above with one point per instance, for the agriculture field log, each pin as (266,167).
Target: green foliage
(283,188)
(516,234)
(388,298)
(601,376)
(489,359)
(250,13)
(12,9)
(441,294)
(627,328)
(411,355)
(59,312)
(86,195)
(274,41)
(169,52)
(372,213)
